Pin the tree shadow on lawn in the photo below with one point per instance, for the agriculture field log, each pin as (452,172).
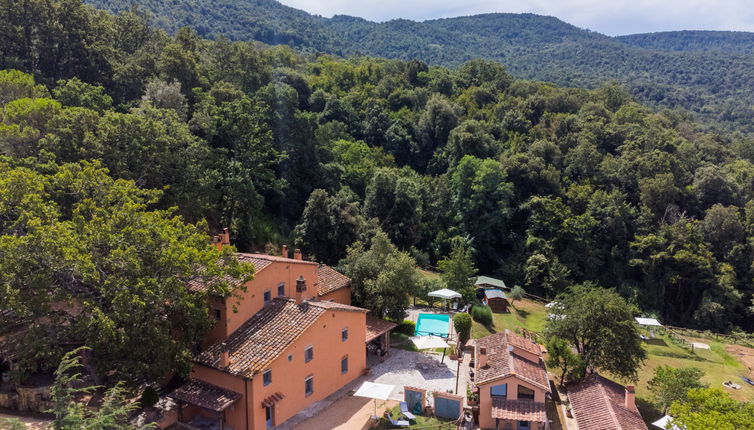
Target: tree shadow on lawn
(648,410)
(687,356)
(656,342)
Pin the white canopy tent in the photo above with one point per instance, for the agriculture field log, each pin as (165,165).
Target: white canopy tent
(663,423)
(650,323)
(445,294)
(373,390)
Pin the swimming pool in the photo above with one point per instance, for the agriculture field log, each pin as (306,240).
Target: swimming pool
(432,324)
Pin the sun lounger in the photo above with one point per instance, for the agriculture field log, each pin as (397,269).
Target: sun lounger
(747,380)
(405,412)
(731,384)
(396,423)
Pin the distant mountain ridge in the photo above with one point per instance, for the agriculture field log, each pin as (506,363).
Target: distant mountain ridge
(711,73)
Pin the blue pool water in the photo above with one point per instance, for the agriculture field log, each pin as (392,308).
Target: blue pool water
(433,324)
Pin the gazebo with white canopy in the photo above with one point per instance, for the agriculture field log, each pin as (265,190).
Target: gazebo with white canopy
(445,294)
(430,342)
(650,323)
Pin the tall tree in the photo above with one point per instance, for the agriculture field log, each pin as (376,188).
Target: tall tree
(458,269)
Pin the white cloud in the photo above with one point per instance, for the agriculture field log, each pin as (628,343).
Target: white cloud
(611,17)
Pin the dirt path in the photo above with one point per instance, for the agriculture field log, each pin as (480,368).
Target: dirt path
(31,423)
(744,355)
(348,413)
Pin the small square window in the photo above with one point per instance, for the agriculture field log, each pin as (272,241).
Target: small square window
(308,354)
(290,357)
(344,365)
(267,377)
(309,386)
(344,334)
(218,314)
(281,290)
(267,297)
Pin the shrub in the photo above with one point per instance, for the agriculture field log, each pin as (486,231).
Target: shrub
(482,314)
(149,397)
(407,327)
(462,324)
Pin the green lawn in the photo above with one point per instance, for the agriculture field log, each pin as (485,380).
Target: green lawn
(421,421)
(526,314)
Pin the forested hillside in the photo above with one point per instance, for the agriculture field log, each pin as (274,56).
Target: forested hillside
(550,186)
(737,42)
(709,73)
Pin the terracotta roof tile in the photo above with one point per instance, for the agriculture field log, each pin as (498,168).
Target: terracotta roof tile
(337,306)
(519,410)
(501,362)
(205,395)
(200,284)
(377,327)
(330,280)
(599,404)
(279,259)
(264,337)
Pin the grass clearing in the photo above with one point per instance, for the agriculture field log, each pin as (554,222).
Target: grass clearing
(525,313)
(421,421)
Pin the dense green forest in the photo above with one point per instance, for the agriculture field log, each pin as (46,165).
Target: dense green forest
(709,73)
(550,186)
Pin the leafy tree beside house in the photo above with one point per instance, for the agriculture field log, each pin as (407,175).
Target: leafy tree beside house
(712,408)
(560,355)
(599,324)
(517,293)
(458,269)
(382,277)
(671,384)
(462,324)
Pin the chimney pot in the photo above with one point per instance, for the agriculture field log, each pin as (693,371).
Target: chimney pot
(297,254)
(224,356)
(284,252)
(482,357)
(630,397)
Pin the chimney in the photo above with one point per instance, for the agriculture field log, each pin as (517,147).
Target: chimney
(222,239)
(297,254)
(482,362)
(224,356)
(284,253)
(630,397)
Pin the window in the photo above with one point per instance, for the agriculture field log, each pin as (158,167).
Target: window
(281,290)
(267,297)
(290,357)
(344,334)
(309,385)
(499,391)
(217,314)
(300,284)
(523,425)
(308,354)
(525,393)
(267,377)
(344,365)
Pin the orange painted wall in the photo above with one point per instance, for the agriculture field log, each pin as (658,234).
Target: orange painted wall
(342,295)
(485,400)
(288,376)
(235,416)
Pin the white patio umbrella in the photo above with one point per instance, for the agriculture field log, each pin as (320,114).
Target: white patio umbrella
(445,294)
(374,391)
(430,342)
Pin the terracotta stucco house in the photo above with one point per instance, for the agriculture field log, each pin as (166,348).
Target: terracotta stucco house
(512,382)
(598,403)
(290,339)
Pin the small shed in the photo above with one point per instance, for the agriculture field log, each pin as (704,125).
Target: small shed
(488,282)
(496,300)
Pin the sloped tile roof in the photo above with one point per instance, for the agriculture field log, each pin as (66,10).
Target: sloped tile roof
(336,306)
(200,284)
(502,363)
(279,259)
(519,410)
(264,337)
(377,327)
(330,280)
(599,404)
(523,343)
(207,396)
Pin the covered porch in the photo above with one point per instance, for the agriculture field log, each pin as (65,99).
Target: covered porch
(378,338)
(201,406)
(519,415)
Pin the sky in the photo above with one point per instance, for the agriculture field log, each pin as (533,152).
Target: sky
(611,17)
